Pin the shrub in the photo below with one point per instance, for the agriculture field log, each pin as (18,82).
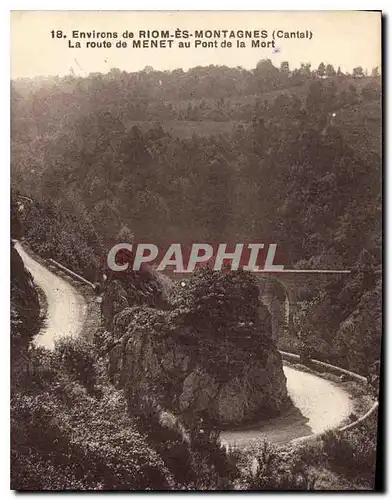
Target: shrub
(272,470)
(62,438)
(354,451)
(196,458)
(78,358)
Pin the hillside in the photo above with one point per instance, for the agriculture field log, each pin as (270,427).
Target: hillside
(290,156)
(362,126)
(212,154)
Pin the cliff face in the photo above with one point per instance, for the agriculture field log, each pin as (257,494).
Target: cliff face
(25,310)
(210,356)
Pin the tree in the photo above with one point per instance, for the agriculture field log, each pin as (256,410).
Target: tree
(284,67)
(375,73)
(371,92)
(314,97)
(321,70)
(217,195)
(330,70)
(115,73)
(305,69)
(358,72)
(125,235)
(282,104)
(352,95)
(266,74)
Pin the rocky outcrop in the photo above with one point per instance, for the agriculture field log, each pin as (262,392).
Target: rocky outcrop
(133,288)
(227,374)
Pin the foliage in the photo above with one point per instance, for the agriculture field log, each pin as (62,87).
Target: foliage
(66,235)
(76,355)
(195,456)
(221,302)
(355,451)
(67,436)
(270,469)
(341,324)
(221,314)
(64,438)
(283,147)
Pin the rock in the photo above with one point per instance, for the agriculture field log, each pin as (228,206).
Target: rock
(167,371)
(198,391)
(232,403)
(190,367)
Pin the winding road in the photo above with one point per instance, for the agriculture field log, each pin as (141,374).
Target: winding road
(66,307)
(318,403)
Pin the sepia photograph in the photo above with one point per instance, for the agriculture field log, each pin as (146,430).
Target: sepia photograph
(196,254)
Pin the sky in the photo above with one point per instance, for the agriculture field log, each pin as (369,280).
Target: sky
(342,38)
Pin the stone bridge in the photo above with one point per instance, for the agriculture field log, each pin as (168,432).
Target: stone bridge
(281,291)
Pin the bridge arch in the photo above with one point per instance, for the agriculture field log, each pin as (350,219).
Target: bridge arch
(281,292)
(280,302)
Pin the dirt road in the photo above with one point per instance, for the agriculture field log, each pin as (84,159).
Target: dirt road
(66,308)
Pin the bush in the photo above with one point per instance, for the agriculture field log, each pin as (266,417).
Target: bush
(78,358)
(196,458)
(272,470)
(353,451)
(65,437)
(62,438)
(64,233)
